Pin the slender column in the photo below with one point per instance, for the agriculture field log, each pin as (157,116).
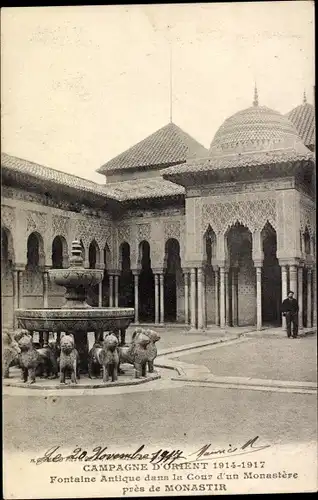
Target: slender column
(258,298)
(284,291)
(205,320)
(222,297)
(293,279)
(216,285)
(300,296)
(45,277)
(314,289)
(234,297)
(45,339)
(111,290)
(227,297)
(156,298)
(100,294)
(136,285)
(186,298)
(16,294)
(309,274)
(193,297)
(200,298)
(162,302)
(116,289)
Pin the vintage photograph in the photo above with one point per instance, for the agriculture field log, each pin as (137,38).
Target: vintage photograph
(158,250)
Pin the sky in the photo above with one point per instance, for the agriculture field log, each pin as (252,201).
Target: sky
(80,85)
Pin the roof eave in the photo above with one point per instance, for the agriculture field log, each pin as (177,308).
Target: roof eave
(37,182)
(194,177)
(109,171)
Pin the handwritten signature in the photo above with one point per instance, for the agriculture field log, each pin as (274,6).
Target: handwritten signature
(161,456)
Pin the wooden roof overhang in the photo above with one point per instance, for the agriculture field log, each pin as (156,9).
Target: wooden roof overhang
(77,195)
(192,175)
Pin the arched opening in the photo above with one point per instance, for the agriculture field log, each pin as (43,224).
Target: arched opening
(7,291)
(105,282)
(271,278)
(307,242)
(126,283)
(32,277)
(172,279)
(83,251)
(93,261)
(59,253)
(146,285)
(209,245)
(34,250)
(241,294)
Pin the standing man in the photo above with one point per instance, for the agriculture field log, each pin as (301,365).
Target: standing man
(290,309)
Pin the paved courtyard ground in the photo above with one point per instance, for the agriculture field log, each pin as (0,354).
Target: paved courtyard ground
(268,358)
(178,415)
(166,411)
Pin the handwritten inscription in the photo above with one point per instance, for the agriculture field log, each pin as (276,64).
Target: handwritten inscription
(161,456)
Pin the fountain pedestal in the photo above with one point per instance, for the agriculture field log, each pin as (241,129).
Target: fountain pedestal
(76,316)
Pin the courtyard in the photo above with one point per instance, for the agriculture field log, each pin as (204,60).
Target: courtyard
(152,412)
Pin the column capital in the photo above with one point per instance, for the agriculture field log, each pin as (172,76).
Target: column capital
(158,270)
(135,272)
(114,272)
(258,263)
(194,264)
(221,264)
(287,261)
(18,267)
(100,266)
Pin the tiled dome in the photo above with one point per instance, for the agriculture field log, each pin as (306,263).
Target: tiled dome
(256,128)
(303,118)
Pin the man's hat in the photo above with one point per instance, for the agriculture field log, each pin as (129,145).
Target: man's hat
(290,291)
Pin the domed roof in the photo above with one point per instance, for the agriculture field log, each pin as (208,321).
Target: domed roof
(303,118)
(256,128)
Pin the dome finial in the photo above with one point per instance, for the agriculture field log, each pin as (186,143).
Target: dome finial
(305,97)
(255,102)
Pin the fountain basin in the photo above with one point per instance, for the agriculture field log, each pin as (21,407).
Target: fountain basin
(75,277)
(75,320)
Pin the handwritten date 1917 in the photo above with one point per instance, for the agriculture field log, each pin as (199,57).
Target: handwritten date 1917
(100,453)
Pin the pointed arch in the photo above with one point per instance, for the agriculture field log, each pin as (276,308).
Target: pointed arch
(35,251)
(146,284)
(59,252)
(271,277)
(172,279)
(93,254)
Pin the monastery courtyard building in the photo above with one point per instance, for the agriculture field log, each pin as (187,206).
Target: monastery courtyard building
(184,234)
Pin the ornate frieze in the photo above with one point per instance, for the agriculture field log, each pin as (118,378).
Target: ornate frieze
(8,216)
(123,233)
(172,230)
(60,225)
(251,213)
(83,231)
(240,187)
(307,216)
(36,221)
(155,213)
(143,232)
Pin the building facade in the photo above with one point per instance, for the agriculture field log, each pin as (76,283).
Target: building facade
(184,234)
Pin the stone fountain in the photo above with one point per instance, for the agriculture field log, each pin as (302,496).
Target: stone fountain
(76,316)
